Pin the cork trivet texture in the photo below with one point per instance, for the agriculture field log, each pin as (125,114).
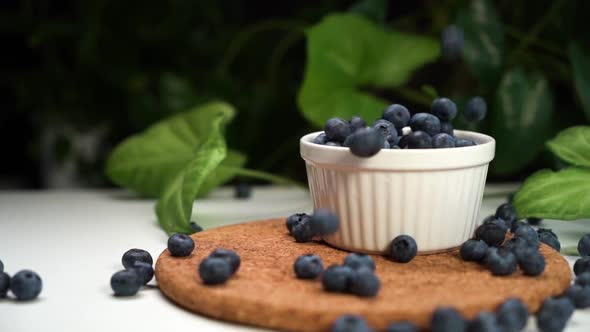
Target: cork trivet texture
(264,292)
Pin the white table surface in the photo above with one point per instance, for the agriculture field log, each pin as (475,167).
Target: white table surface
(75,239)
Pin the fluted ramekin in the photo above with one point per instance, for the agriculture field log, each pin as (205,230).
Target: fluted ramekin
(433,195)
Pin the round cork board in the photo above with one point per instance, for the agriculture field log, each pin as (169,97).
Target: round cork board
(264,292)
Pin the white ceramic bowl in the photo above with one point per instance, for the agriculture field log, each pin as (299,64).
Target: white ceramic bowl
(433,195)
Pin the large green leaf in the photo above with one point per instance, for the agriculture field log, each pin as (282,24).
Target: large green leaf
(484,40)
(573,145)
(521,120)
(581,68)
(346,52)
(175,206)
(557,195)
(147,162)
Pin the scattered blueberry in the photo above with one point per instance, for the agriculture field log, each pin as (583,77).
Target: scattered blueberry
(387,130)
(582,265)
(416,140)
(485,322)
(296,219)
(133,255)
(214,271)
(403,249)
(506,212)
(451,40)
(584,245)
(549,238)
(243,190)
(534,221)
(196,227)
(583,279)
(512,315)
(333,143)
(336,129)
(180,245)
(365,142)
(531,261)
(308,266)
(364,283)
(229,256)
(402,327)
(447,128)
(302,231)
(397,114)
(324,222)
(442,140)
(529,234)
(554,314)
(425,122)
(320,139)
(4,284)
(475,110)
(337,278)
(350,323)
(357,123)
(444,109)
(463,142)
(579,295)
(145,272)
(356,261)
(125,282)
(492,231)
(447,320)
(473,250)
(501,262)
(26,285)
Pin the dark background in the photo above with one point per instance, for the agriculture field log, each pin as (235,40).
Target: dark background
(79,76)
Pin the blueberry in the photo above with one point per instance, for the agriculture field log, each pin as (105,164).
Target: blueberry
(133,255)
(4,284)
(583,279)
(403,249)
(531,261)
(356,261)
(337,278)
(579,295)
(473,250)
(444,109)
(196,227)
(402,327)
(512,315)
(324,222)
(229,256)
(416,140)
(180,245)
(516,225)
(320,139)
(397,114)
(584,245)
(492,231)
(350,323)
(475,110)
(549,238)
(506,212)
(364,283)
(554,314)
(365,142)
(125,283)
(302,231)
(333,143)
(425,122)
(357,123)
(395,147)
(242,190)
(515,244)
(447,128)
(145,272)
(386,144)
(529,234)
(214,271)
(582,265)
(443,141)
(447,320)
(308,266)
(336,129)
(501,262)
(26,285)
(533,221)
(485,322)
(451,43)
(295,219)
(463,142)
(387,130)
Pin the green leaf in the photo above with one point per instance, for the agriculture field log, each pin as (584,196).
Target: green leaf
(375,10)
(572,145)
(557,195)
(581,68)
(484,40)
(223,173)
(521,120)
(147,162)
(369,56)
(175,206)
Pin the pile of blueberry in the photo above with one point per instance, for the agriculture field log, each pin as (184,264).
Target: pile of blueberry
(428,130)
(583,264)
(25,285)
(137,273)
